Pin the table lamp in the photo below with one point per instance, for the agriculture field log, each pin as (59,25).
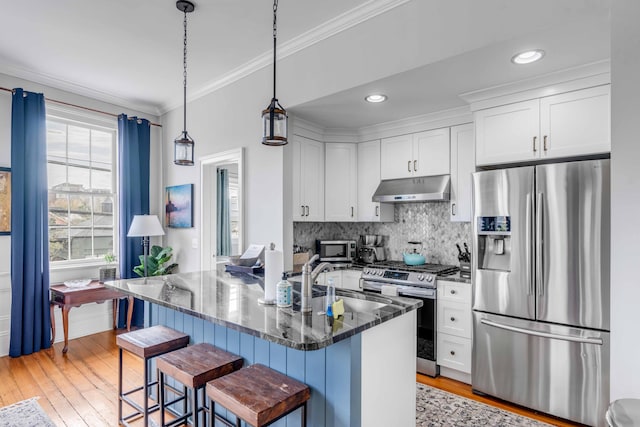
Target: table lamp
(145,226)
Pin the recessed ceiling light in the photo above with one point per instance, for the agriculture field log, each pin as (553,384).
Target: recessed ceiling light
(375,98)
(528,57)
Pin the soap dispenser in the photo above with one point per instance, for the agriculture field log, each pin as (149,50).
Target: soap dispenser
(283,292)
(331,297)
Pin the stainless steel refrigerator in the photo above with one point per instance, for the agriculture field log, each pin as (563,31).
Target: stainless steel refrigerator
(541,287)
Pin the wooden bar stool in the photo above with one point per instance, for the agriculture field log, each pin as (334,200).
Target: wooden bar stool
(259,395)
(146,344)
(193,367)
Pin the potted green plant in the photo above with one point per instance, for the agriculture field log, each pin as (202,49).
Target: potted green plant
(156,262)
(108,272)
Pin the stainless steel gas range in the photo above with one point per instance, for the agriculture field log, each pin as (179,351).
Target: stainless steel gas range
(417,281)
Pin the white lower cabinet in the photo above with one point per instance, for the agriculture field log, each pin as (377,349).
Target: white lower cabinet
(454,352)
(335,275)
(342,279)
(351,279)
(454,329)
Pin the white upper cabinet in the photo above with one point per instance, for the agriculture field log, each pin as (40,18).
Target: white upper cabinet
(341,180)
(431,152)
(576,123)
(368,181)
(569,124)
(462,166)
(397,157)
(418,154)
(308,179)
(508,133)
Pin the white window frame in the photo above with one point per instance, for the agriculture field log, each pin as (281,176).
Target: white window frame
(95,121)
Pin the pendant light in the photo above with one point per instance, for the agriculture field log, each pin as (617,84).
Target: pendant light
(274,117)
(183,144)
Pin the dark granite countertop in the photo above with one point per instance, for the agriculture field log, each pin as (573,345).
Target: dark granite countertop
(231,300)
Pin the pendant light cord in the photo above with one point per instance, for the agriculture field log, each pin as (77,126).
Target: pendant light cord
(275,31)
(184,73)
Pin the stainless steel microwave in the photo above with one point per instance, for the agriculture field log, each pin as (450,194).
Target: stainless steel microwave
(336,250)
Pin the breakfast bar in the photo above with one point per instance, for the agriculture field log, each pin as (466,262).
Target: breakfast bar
(360,366)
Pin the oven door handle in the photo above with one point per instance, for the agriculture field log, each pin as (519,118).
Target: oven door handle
(428,293)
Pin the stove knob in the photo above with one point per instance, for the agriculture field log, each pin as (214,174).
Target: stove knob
(380,272)
(421,277)
(429,279)
(365,270)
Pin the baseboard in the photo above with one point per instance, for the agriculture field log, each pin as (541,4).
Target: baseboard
(86,320)
(455,375)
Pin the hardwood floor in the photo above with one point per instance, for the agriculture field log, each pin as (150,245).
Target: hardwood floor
(464,390)
(76,389)
(80,388)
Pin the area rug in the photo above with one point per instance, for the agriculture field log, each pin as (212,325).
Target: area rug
(437,408)
(26,413)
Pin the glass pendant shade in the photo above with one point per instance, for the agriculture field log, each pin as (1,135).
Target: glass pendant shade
(274,124)
(183,150)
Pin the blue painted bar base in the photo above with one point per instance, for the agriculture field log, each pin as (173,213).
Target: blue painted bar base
(367,379)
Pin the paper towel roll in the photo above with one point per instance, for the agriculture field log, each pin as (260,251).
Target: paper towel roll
(273,267)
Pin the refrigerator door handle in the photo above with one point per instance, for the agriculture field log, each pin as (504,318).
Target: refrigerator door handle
(529,245)
(584,340)
(539,243)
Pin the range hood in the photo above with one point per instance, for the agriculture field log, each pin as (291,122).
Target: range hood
(420,189)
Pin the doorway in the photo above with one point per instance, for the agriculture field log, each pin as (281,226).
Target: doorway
(217,203)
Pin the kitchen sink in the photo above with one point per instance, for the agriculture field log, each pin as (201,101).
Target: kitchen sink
(358,305)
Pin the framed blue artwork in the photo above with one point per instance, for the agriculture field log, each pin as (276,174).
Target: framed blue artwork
(178,206)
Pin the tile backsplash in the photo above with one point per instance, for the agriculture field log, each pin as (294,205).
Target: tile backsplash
(423,222)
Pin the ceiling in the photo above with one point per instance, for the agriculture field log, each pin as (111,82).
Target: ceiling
(130,53)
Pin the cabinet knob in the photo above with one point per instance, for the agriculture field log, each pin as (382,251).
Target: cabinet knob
(307,210)
(351,211)
(377,210)
(453,209)
(544,142)
(415,165)
(453,291)
(453,319)
(453,353)
(409,166)
(302,206)
(535,148)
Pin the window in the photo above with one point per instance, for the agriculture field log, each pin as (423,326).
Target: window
(81,175)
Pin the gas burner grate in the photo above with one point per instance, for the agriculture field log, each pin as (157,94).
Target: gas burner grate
(439,269)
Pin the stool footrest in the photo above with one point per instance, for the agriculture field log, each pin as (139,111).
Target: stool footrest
(137,407)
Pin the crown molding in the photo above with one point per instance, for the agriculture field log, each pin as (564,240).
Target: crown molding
(341,135)
(588,75)
(439,119)
(65,85)
(327,29)
(305,128)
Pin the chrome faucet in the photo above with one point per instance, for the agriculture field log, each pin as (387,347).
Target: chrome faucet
(308,278)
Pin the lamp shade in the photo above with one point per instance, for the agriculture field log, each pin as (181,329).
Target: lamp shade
(145,225)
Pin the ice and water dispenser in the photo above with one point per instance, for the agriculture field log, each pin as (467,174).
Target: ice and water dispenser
(494,243)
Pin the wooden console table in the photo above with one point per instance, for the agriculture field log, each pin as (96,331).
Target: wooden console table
(66,298)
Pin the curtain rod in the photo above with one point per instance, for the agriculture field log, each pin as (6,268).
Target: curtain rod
(80,106)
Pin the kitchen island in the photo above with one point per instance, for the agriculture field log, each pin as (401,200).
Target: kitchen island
(360,367)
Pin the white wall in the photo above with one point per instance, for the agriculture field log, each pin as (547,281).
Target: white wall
(227,119)
(230,117)
(625,200)
(90,318)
